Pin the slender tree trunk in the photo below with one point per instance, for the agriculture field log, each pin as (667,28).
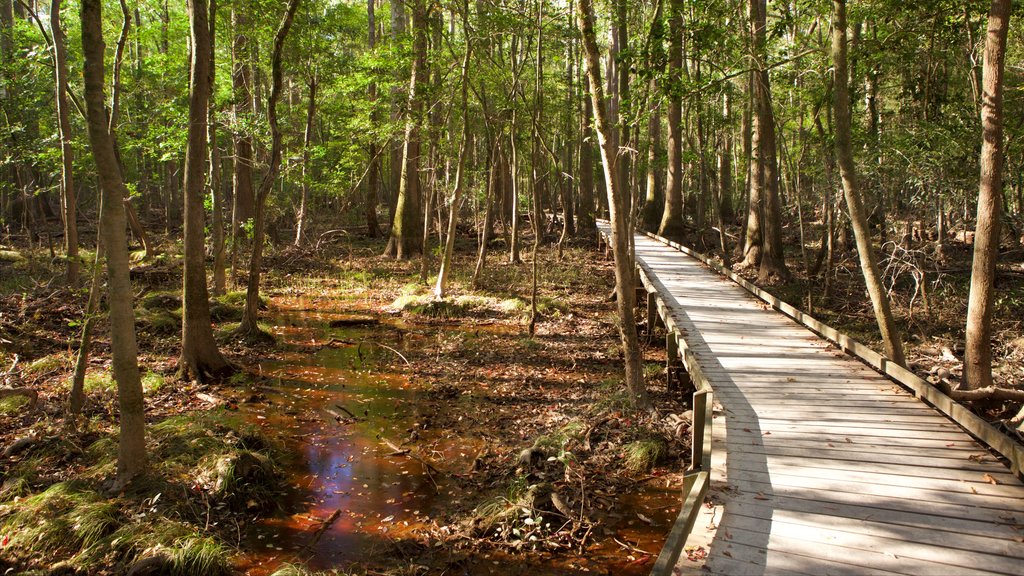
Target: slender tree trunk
(242,187)
(398,25)
(847,172)
(250,327)
(585,190)
(67,183)
(672,216)
(978,354)
(216,190)
(535,159)
(307,141)
(77,397)
(373,174)
(513,253)
(493,179)
(625,293)
(131,459)
(453,216)
(200,357)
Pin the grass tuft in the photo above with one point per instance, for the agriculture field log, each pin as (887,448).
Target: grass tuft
(641,455)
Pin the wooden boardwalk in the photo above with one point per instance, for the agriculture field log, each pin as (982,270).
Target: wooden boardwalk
(829,467)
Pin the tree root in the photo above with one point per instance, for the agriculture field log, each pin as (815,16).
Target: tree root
(987,393)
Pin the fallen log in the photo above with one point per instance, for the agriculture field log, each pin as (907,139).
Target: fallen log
(32,395)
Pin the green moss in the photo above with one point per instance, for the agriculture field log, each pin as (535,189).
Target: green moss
(152,382)
(99,381)
(12,256)
(555,442)
(161,301)
(13,405)
(47,364)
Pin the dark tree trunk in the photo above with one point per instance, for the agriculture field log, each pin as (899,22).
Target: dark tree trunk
(200,357)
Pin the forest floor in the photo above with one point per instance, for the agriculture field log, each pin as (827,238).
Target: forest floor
(526,454)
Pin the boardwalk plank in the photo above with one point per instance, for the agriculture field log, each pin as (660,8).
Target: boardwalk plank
(830,468)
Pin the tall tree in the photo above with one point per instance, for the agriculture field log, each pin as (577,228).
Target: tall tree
(131,458)
(67,182)
(373,174)
(216,190)
(978,353)
(460,170)
(250,326)
(404,241)
(241,83)
(624,291)
(854,203)
(766,171)
(672,216)
(200,357)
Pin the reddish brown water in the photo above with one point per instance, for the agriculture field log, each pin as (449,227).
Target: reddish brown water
(383,499)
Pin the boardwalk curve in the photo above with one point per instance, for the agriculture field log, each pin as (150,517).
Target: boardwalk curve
(829,466)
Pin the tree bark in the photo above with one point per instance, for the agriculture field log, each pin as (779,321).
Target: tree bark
(249,327)
(241,83)
(625,293)
(854,204)
(307,141)
(453,216)
(672,216)
(124,349)
(373,174)
(978,353)
(67,184)
(404,241)
(200,358)
(773,263)
(216,191)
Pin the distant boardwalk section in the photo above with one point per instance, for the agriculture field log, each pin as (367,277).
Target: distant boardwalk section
(827,466)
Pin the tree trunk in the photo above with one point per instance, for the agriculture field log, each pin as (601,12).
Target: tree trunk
(241,83)
(67,183)
(978,353)
(216,191)
(398,25)
(404,241)
(200,358)
(585,191)
(453,216)
(847,172)
(307,141)
(373,174)
(123,347)
(773,263)
(672,216)
(625,293)
(249,327)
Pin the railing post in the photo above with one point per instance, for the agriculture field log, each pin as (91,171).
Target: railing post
(652,312)
(700,457)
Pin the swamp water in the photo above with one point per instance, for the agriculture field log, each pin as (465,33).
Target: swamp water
(355,502)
